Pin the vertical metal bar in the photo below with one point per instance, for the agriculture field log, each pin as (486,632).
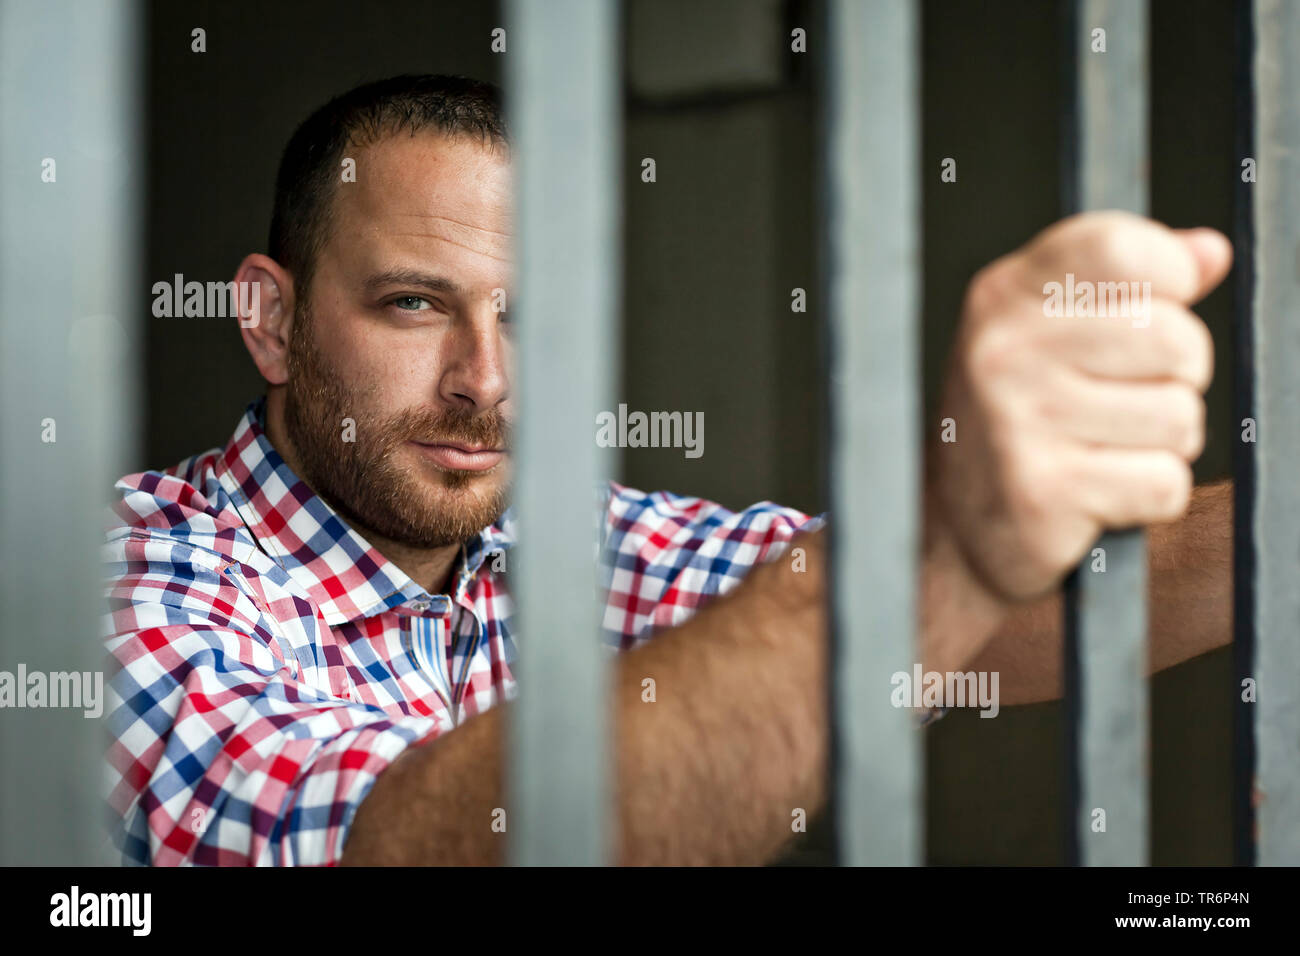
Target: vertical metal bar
(1243,542)
(70,292)
(872,210)
(562,96)
(1277,413)
(1071,53)
(1106,612)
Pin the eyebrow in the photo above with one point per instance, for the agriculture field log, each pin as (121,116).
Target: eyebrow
(412,278)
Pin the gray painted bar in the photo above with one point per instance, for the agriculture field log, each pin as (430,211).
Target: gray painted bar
(71,289)
(562,89)
(873,211)
(1111,624)
(1277,414)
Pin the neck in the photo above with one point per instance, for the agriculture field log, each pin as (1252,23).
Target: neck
(428,567)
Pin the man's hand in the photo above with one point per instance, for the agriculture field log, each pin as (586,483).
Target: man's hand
(1067,425)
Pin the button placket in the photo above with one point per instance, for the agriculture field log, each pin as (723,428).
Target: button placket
(426,653)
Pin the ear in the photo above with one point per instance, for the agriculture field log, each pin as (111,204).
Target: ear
(266,314)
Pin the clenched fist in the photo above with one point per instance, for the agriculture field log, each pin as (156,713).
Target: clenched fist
(1075,388)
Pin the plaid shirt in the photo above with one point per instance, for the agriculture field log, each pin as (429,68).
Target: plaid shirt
(270,663)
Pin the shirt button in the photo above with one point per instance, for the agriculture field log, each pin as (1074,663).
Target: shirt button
(421,605)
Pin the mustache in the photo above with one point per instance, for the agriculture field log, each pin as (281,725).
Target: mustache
(488,429)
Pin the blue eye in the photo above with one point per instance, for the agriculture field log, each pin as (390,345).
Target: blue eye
(401,303)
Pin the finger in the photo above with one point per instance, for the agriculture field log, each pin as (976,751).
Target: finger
(1116,246)
(1213,253)
(1173,344)
(1159,416)
(1126,488)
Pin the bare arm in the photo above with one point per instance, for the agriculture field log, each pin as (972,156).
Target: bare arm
(1190,588)
(709,773)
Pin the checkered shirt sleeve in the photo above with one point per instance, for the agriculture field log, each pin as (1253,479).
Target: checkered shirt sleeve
(226,750)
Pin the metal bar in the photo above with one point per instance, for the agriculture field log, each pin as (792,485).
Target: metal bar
(872,210)
(1068,182)
(70,294)
(1277,414)
(562,96)
(1106,612)
(1243,543)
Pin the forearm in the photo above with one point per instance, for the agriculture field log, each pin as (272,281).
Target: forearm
(958,613)
(707,773)
(1190,607)
(738,737)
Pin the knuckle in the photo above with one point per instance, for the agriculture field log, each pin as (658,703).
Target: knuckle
(1061,551)
(1188,424)
(1168,330)
(974,360)
(1170,489)
(993,286)
(979,292)
(1109,244)
(1083,228)
(1202,355)
(1051,406)
(1030,481)
(1186,345)
(989,353)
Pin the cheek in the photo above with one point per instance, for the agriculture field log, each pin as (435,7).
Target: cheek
(385,372)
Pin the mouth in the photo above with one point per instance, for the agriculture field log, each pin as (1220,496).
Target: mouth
(454,456)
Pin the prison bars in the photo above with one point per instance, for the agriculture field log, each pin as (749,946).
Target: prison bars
(58,65)
(1105,599)
(873,280)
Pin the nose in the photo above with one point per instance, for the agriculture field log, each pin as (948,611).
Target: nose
(476,374)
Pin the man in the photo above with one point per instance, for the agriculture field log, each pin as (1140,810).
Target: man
(313,624)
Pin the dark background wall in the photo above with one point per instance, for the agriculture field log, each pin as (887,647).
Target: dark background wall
(714,248)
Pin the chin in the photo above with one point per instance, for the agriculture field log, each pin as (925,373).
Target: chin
(461,489)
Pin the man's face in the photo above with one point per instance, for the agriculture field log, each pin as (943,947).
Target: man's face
(400,360)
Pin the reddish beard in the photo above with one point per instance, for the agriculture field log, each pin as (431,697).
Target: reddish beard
(362,479)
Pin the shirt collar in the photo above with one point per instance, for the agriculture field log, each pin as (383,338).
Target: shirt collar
(347,578)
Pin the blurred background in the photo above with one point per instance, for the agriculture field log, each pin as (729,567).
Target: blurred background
(713,249)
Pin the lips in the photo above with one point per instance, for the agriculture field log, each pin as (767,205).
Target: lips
(454,456)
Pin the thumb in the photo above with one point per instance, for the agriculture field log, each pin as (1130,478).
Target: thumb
(1213,254)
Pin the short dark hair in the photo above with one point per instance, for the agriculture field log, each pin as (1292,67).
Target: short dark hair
(311,164)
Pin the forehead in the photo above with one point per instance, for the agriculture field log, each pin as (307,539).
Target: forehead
(428,194)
